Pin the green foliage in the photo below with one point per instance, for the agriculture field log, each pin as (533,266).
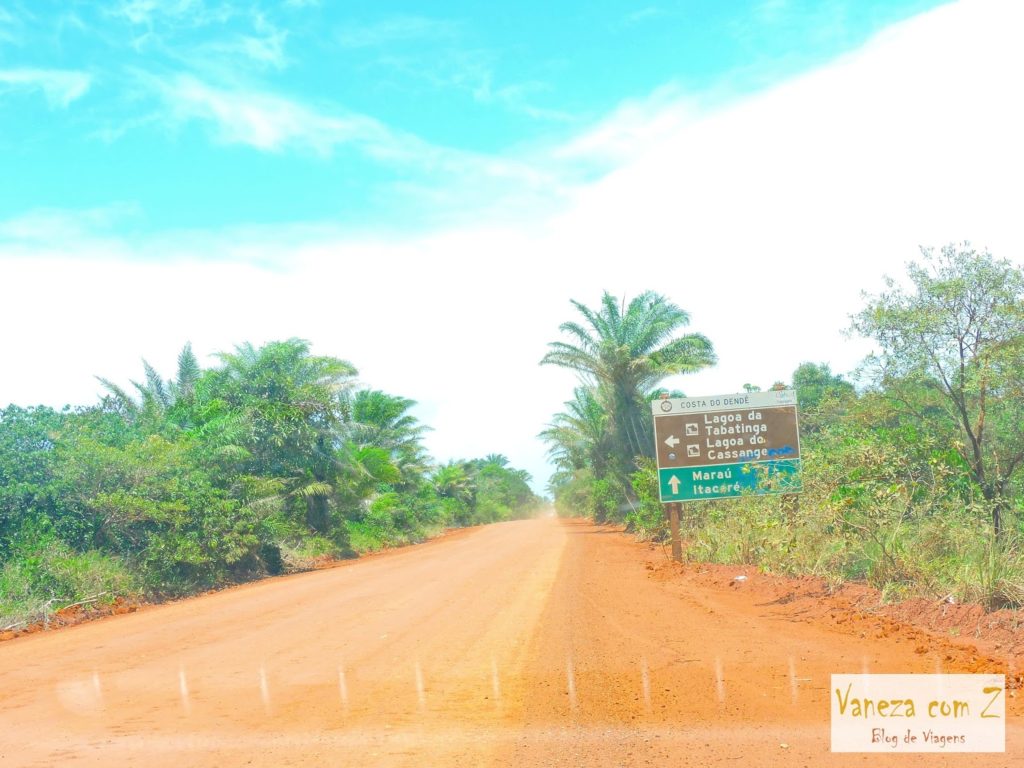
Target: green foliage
(573,492)
(154,503)
(621,353)
(646,517)
(915,485)
(28,497)
(815,384)
(952,356)
(43,575)
(884,501)
(268,462)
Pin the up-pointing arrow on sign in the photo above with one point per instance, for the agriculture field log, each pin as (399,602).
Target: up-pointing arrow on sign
(674,482)
(672,441)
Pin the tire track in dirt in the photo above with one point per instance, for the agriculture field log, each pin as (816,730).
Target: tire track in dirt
(532,643)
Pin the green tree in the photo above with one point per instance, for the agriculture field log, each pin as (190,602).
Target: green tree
(28,496)
(816,382)
(282,407)
(579,436)
(452,481)
(377,419)
(157,397)
(623,351)
(952,353)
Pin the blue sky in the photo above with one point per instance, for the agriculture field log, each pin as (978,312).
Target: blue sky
(359,113)
(422,191)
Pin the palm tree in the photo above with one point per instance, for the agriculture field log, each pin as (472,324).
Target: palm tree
(578,436)
(497,459)
(156,397)
(623,352)
(452,481)
(375,418)
(290,406)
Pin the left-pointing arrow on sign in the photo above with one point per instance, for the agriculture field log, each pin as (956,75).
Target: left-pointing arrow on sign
(674,482)
(672,441)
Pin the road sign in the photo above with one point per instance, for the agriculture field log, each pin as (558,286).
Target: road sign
(727,445)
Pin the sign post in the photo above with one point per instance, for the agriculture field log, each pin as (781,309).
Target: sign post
(725,446)
(673,524)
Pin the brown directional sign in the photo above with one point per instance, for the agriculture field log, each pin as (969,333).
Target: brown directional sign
(727,436)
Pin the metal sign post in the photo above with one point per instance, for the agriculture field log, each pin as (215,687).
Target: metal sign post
(673,524)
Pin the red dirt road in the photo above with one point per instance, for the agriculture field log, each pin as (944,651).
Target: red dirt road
(532,643)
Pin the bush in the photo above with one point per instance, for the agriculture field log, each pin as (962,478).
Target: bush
(45,575)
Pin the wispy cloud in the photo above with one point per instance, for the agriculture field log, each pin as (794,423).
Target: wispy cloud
(153,21)
(396,29)
(147,12)
(644,14)
(633,128)
(274,123)
(67,230)
(267,121)
(473,72)
(264,46)
(59,86)
(771,10)
(8,26)
(144,11)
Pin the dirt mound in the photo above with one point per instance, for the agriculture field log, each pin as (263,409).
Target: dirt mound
(965,637)
(75,614)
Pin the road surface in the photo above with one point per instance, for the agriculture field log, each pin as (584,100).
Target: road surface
(530,643)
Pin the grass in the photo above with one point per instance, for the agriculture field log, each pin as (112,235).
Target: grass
(903,540)
(49,576)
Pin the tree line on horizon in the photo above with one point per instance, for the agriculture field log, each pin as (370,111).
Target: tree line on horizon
(264,463)
(913,479)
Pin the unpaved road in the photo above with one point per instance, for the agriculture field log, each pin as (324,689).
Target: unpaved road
(532,643)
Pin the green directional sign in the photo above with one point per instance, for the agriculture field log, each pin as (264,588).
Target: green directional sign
(716,481)
(727,445)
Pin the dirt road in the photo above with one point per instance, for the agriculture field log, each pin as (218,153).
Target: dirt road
(532,643)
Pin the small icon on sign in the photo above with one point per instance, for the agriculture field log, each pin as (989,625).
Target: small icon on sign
(692,430)
(693,451)
(666,405)
(671,457)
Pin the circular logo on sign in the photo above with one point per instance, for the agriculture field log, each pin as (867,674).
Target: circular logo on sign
(666,405)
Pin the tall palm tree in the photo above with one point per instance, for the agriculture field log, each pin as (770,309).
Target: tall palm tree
(290,402)
(156,397)
(624,351)
(578,436)
(377,419)
(497,459)
(451,480)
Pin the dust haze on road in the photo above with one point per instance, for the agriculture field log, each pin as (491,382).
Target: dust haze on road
(534,643)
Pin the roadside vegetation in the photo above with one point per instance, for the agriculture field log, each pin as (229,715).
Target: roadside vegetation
(913,480)
(265,463)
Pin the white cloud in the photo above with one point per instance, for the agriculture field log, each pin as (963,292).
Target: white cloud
(264,47)
(274,123)
(266,121)
(59,86)
(62,228)
(635,127)
(764,220)
(8,26)
(145,12)
(268,49)
(396,29)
